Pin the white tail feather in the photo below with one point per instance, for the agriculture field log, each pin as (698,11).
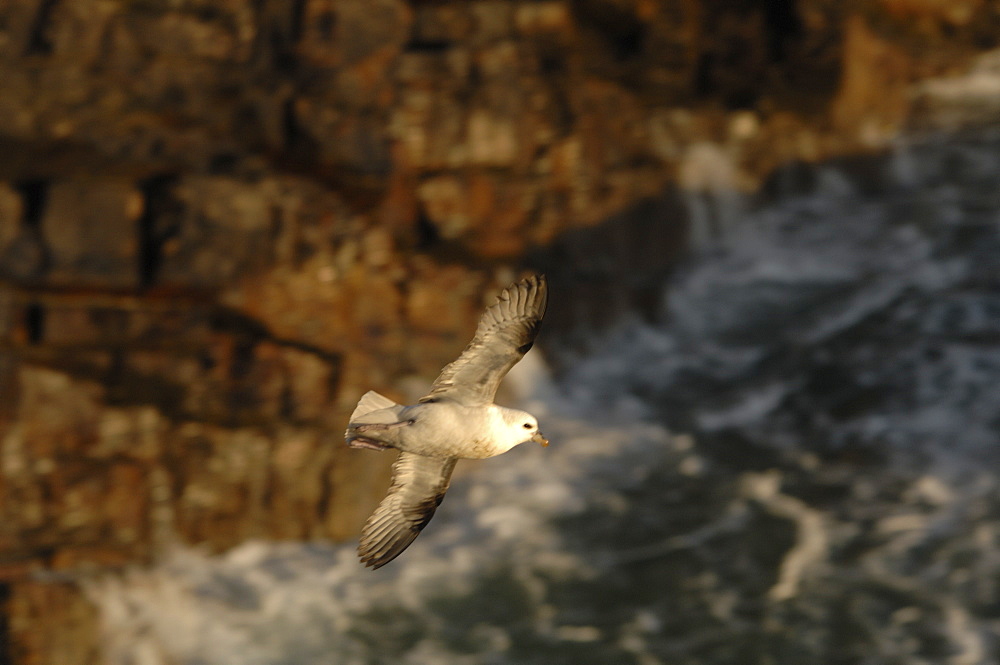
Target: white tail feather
(371,403)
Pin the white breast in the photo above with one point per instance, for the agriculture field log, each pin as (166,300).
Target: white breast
(446,429)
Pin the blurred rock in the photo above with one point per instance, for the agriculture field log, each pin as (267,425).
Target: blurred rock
(68,633)
(222,228)
(342,33)
(24,257)
(89,230)
(873,98)
(934,11)
(11,214)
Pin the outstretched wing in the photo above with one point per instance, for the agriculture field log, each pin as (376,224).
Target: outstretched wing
(418,485)
(506,331)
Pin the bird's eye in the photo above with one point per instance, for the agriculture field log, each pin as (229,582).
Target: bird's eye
(527,425)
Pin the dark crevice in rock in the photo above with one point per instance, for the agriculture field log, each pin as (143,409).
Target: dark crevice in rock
(223,163)
(296,18)
(156,195)
(297,13)
(34,323)
(297,141)
(621,29)
(35,194)
(554,66)
(152,232)
(427,235)
(428,46)
(242,360)
(279,29)
(6,648)
(783,26)
(326,25)
(282,56)
(39,41)
(703,83)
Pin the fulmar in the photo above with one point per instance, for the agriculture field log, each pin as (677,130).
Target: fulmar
(456,420)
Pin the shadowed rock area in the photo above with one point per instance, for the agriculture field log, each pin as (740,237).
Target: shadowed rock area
(221,222)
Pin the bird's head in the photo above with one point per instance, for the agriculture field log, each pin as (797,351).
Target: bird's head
(520,427)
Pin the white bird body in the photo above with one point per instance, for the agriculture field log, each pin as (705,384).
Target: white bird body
(450,429)
(456,420)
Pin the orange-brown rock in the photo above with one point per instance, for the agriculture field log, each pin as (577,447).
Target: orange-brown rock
(873,98)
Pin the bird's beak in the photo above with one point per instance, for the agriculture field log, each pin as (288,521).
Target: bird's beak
(537,437)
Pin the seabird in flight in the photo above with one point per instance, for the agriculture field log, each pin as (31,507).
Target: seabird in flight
(456,420)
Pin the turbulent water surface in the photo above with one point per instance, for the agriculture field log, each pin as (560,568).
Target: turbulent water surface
(797,464)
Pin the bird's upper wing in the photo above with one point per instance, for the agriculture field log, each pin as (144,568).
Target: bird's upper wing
(506,331)
(418,485)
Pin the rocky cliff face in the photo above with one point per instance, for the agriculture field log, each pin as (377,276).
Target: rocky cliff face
(220,222)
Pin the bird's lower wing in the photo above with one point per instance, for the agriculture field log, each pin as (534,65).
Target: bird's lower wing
(506,331)
(417,488)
